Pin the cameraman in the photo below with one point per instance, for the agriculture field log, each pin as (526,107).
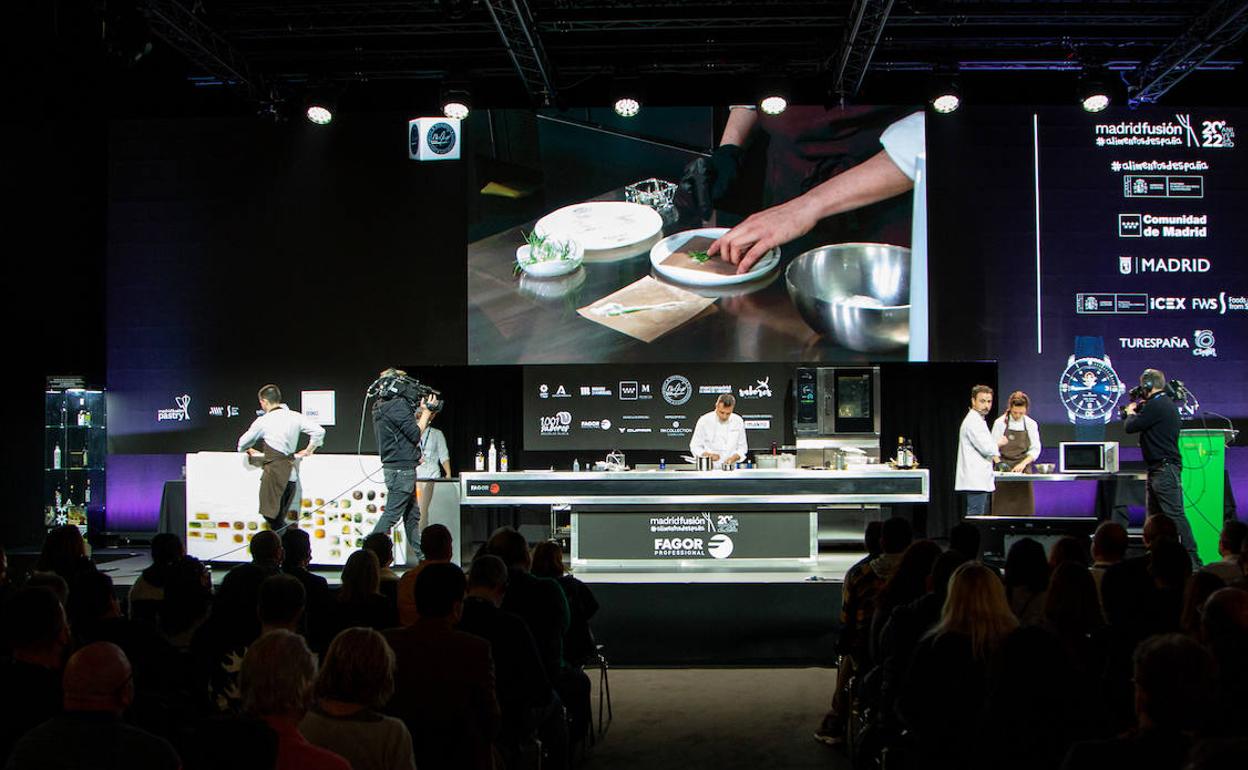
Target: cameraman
(399,424)
(1157,422)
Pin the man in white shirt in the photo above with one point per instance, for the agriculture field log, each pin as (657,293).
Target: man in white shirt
(435,457)
(720,434)
(277,433)
(977,452)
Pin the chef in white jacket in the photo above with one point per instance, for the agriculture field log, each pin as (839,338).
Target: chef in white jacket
(978,451)
(720,434)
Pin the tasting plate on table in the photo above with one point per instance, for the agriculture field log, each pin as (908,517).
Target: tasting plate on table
(601,226)
(672,243)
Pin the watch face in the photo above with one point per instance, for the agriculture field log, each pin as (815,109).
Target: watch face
(1089,388)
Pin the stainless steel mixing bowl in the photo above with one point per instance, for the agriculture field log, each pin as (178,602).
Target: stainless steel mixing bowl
(857,293)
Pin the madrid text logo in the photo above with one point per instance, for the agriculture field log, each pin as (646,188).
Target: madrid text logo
(761,389)
(558,424)
(1203,339)
(181,414)
(720,546)
(677,390)
(1142,265)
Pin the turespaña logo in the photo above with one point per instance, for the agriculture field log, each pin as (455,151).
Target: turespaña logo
(677,390)
(720,546)
(181,414)
(440,138)
(556,425)
(761,389)
(1204,344)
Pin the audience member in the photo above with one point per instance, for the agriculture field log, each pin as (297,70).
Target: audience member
(235,609)
(355,682)
(1072,613)
(51,581)
(539,601)
(187,602)
(1200,586)
(525,696)
(444,678)
(64,553)
(965,539)
(383,548)
(296,556)
(279,606)
(1069,548)
(1224,631)
(359,602)
(1026,580)
(1109,546)
(436,545)
(858,596)
(1170,568)
(907,584)
(89,733)
(942,700)
(149,589)
(1230,544)
(37,634)
(277,676)
(578,642)
(1174,686)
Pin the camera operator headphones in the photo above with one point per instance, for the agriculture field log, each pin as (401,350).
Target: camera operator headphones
(396,383)
(1152,379)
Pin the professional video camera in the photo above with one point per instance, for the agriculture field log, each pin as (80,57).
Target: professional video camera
(1175,389)
(395,383)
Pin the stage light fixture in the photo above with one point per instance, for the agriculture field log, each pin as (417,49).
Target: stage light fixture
(944,92)
(773,104)
(1094,94)
(946,103)
(320,113)
(456,102)
(627,107)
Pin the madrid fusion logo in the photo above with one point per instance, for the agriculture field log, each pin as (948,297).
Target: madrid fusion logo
(181,414)
(1213,134)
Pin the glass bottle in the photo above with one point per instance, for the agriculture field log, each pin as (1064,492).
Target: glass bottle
(479,460)
(502,457)
(492,456)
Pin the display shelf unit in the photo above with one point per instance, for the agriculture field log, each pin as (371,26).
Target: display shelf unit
(75,443)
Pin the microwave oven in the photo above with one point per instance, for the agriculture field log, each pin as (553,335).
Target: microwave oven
(1088,457)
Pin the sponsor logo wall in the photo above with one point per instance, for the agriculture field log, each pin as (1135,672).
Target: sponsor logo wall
(647,406)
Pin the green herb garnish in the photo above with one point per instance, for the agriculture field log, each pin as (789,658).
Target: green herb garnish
(699,256)
(544,249)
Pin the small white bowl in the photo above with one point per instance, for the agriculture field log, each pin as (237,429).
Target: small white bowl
(553,267)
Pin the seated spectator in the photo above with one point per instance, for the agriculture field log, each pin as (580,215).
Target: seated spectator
(64,553)
(1109,546)
(444,678)
(539,601)
(90,733)
(858,596)
(383,548)
(149,589)
(359,602)
(355,682)
(907,584)
(297,555)
(578,642)
(1200,586)
(965,539)
(1174,689)
(1068,548)
(943,698)
(525,695)
(51,581)
(1224,631)
(235,609)
(1026,580)
(187,602)
(277,676)
(278,608)
(436,545)
(1230,544)
(37,634)
(1170,566)
(1072,613)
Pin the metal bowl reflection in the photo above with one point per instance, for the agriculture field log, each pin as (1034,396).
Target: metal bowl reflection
(857,293)
(1044,467)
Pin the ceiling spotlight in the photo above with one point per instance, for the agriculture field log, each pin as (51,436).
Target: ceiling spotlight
(1094,94)
(773,104)
(320,113)
(944,92)
(946,103)
(627,107)
(456,103)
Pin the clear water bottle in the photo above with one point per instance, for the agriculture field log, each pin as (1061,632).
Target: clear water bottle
(576,465)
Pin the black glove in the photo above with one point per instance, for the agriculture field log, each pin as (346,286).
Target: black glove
(706,180)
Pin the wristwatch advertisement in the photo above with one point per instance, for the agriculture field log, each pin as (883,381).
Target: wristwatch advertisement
(1089,389)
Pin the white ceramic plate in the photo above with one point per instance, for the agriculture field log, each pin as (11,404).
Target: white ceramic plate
(550,268)
(672,243)
(601,225)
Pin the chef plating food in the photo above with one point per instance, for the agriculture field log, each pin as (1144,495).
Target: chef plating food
(720,434)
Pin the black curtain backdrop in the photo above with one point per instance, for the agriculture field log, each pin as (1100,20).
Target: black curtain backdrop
(926,403)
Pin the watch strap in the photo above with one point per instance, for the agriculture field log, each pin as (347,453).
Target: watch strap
(1089,347)
(1089,428)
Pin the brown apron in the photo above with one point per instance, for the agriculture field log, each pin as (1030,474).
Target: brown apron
(276,489)
(1014,498)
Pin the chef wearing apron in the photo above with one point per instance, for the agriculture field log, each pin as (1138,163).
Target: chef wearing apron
(1022,447)
(277,432)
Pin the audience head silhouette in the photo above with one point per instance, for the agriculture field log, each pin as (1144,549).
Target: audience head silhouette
(435,543)
(277,676)
(440,592)
(98,678)
(266,546)
(510,546)
(358,669)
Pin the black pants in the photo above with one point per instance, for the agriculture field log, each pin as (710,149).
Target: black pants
(1164,497)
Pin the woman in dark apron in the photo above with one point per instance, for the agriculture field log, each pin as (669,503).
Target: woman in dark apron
(1022,447)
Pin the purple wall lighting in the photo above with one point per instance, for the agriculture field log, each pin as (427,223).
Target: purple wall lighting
(134,487)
